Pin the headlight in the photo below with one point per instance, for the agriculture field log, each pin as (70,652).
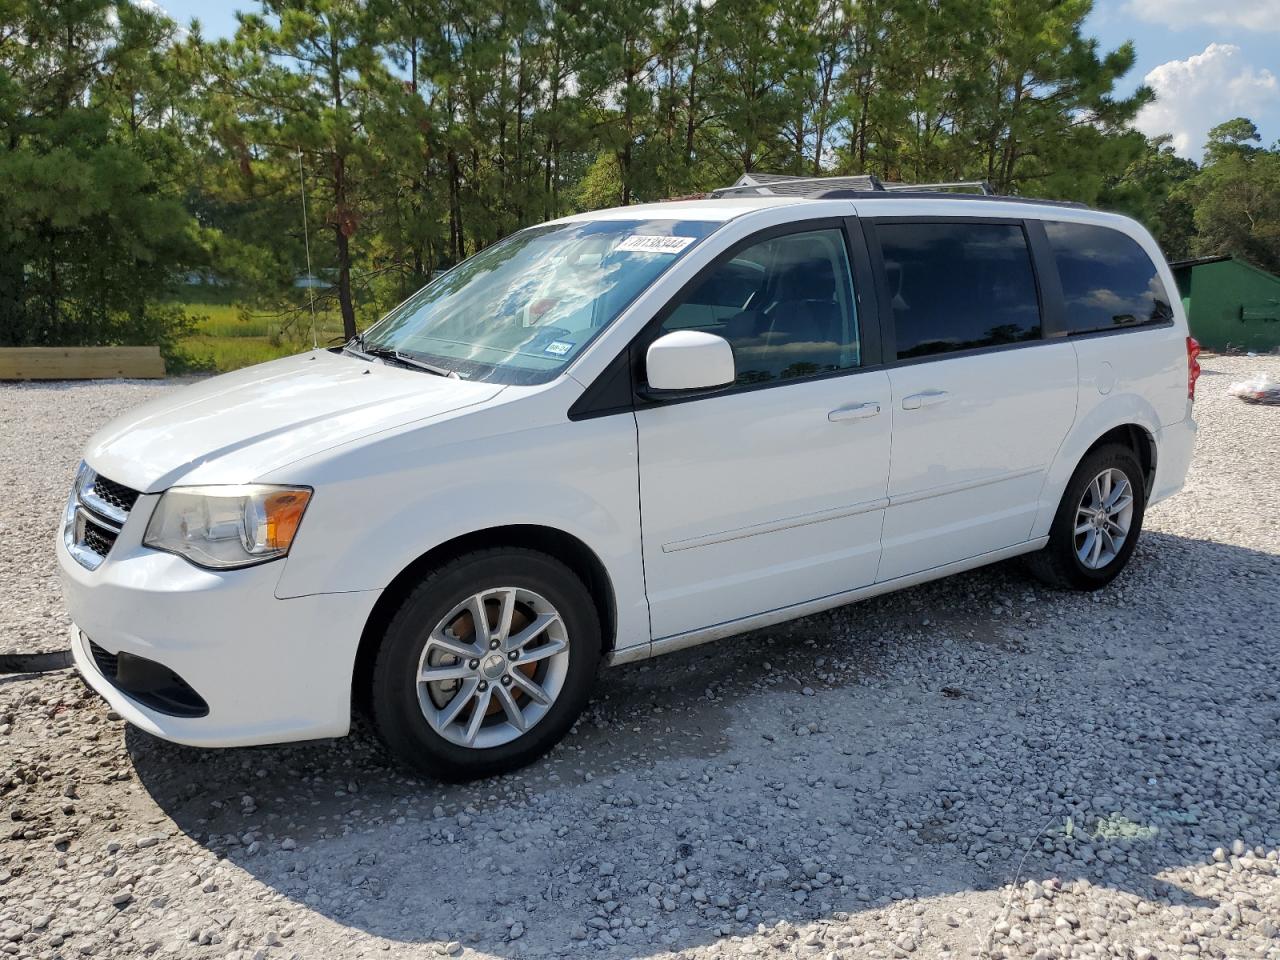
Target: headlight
(224,527)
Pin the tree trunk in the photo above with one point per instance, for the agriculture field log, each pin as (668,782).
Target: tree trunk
(344,247)
(344,285)
(548,187)
(13,298)
(457,244)
(519,146)
(824,108)
(55,315)
(691,115)
(343,218)
(628,127)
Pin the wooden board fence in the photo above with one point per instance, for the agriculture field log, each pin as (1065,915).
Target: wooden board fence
(80,363)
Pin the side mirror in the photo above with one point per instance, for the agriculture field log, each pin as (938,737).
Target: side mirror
(689,360)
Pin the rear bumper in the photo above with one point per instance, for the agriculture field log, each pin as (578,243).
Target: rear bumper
(1175,445)
(268,670)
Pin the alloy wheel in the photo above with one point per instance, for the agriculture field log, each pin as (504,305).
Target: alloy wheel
(492,667)
(1103,518)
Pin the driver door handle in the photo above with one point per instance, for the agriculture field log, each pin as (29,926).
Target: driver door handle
(929,398)
(855,411)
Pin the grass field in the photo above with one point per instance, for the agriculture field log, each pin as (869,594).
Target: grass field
(227,337)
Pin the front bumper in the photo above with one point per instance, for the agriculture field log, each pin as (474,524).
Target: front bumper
(269,670)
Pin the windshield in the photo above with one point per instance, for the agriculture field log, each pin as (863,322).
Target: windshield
(522,309)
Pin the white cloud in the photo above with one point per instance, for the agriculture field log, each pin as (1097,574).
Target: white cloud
(1181,14)
(1197,93)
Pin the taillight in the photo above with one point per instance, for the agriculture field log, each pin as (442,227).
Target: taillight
(1193,366)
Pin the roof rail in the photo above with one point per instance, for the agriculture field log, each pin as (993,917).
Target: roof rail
(785,185)
(983,188)
(912,194)
(869,186)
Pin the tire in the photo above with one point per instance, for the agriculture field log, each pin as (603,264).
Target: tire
(434,626)
(1060,563)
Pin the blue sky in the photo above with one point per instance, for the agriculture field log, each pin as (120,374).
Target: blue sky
(1208,60)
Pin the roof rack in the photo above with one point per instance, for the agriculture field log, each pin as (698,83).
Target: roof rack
(981,186)
(784,185)
(911,194)
(868,186)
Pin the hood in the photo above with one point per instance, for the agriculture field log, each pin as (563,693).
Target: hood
(239,426)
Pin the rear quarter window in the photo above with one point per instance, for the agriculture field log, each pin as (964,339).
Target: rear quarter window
(1108,281)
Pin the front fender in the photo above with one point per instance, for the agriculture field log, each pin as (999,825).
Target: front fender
(379,507)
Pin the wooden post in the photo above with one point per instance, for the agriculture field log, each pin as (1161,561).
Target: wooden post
(80,363)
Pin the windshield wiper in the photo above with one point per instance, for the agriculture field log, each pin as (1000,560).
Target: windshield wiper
(395,356)
(355,346)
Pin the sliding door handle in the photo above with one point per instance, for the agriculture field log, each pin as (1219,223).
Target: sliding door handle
(855,411)
(929,398)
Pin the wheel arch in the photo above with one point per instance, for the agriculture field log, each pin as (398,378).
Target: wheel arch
(1130,428)
(1138,439)
(565,547)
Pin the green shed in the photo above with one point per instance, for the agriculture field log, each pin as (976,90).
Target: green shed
(1230,304)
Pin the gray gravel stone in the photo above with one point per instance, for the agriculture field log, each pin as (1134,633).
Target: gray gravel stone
(977,767)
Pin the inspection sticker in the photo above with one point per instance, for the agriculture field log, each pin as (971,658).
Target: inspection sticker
(558,348)
(643,243)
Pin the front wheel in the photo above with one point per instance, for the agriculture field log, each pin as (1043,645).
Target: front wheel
(486,664)
(1097,524)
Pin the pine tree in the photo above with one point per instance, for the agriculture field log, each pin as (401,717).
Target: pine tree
(295,88)
(92,227)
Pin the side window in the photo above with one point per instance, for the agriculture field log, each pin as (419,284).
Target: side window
(1107,278)
(957,286)
(785,305)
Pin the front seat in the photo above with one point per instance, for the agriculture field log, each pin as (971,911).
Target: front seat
(804,322)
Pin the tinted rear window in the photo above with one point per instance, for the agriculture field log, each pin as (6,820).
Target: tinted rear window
(1107,278)
(959,286)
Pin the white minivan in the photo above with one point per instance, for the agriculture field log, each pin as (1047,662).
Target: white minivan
(616,435)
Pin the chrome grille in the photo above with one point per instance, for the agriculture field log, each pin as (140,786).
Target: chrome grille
(98,539)
(111,494)
(95,514)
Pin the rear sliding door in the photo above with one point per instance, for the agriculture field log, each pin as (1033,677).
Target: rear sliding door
(981,401)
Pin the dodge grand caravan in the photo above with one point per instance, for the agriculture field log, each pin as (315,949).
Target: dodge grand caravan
(619,434)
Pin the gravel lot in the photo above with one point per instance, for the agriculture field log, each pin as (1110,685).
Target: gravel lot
(976,767)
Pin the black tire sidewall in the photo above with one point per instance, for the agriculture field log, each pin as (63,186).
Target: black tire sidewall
(396,711)
(1062,535)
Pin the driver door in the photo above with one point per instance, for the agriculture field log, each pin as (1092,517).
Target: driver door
(771,492)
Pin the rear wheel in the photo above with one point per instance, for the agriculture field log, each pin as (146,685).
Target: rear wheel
(1097,524)
(486,664)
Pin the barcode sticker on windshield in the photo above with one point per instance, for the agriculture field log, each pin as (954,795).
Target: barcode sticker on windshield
(642,243)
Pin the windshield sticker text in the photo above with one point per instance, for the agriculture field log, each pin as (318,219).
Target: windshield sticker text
(558,347)
(642,243)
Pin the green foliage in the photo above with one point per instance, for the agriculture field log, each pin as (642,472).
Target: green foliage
(1154,189)
(602,185)
(223,334)
(1237,197)
(420,131)
(1230,205)
(92,225)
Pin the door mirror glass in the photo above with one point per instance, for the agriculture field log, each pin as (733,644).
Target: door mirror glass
(689,360)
